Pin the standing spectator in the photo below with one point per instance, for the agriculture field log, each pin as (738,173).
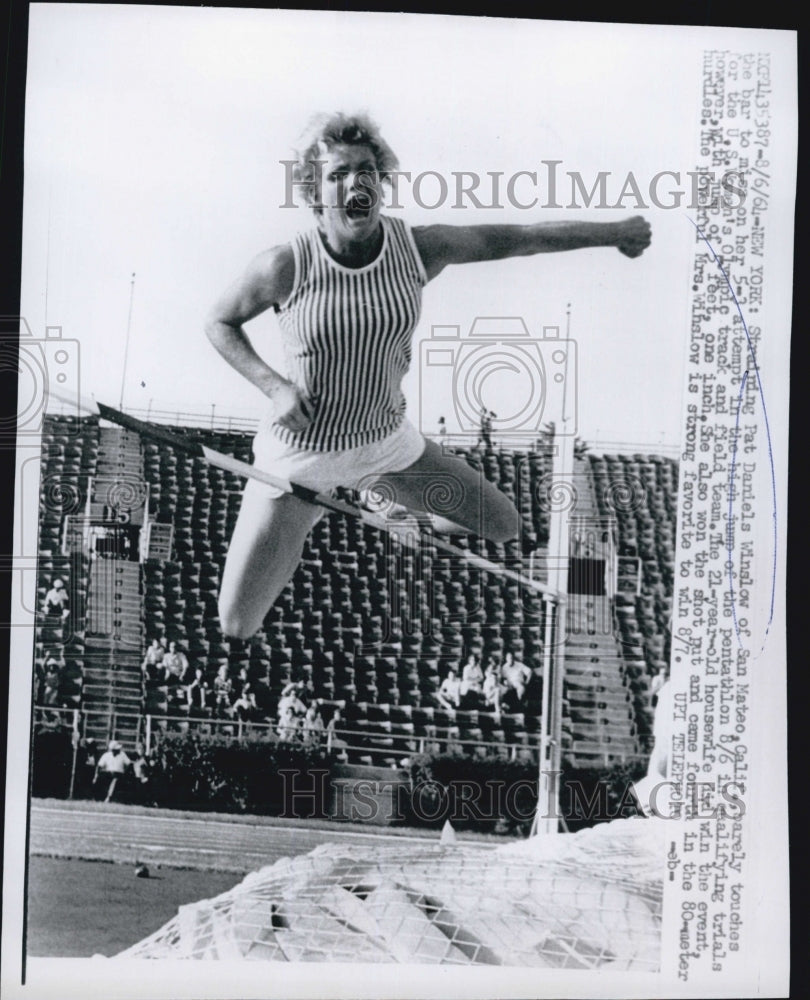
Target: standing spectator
(485,433)
(472,681)
(449,694)
(141,773)
(223,691)
(57,602)
(516,676)
(442,427)
(112,765)
(86,761)
(333,742)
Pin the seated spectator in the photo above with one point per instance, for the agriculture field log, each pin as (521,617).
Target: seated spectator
(264,698)
(245,707)
(312,726)
(289,687)
(152,661)
(307,695)
(111,766)
(290,698)
(175,665)
(240,681)
(449,694)
(198,693)
(472,681)
(50,689)
(50,680)
(287,726)
(656,684)
(516,676)
(492,686)
(223,691)
(56,604)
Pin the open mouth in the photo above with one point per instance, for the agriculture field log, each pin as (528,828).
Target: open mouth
(358,207)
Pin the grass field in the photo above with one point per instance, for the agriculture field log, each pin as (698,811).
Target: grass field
(77,909)
(84,898)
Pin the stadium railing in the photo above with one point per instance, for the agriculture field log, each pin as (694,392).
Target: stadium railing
(355,744)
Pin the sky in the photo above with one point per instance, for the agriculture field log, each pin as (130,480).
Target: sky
(154,141)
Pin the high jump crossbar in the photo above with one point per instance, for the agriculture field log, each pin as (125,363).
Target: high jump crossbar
(228,463)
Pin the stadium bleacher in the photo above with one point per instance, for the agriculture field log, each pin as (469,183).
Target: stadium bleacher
(372,625)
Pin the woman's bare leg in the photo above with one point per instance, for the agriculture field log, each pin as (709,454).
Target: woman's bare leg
(263,555)
(453,493)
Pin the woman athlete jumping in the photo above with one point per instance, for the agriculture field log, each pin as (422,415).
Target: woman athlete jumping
(347,295)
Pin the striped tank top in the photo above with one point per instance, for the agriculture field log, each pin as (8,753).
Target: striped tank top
(347,338)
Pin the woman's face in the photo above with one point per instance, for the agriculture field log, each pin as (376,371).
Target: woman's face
(351,192)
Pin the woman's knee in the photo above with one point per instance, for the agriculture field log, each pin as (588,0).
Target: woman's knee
(236,622)
(264,553)
(244,603)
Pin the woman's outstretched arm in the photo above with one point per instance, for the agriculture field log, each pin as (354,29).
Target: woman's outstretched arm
(443,245)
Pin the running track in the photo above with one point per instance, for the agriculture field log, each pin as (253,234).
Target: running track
(160,837)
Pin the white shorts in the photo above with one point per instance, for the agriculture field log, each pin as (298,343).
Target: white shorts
(323,471)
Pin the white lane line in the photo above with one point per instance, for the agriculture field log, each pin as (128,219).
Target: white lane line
(327,834)
(169,839)
(187,850)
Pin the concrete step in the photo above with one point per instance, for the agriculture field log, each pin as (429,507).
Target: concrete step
(596,696)
(616,730)
(125,679)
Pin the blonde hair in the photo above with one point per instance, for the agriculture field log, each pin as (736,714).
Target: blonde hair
(326,130)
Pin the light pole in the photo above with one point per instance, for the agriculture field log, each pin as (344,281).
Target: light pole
(126,345)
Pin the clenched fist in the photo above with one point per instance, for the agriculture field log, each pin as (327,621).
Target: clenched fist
(633,236)
(293,410)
